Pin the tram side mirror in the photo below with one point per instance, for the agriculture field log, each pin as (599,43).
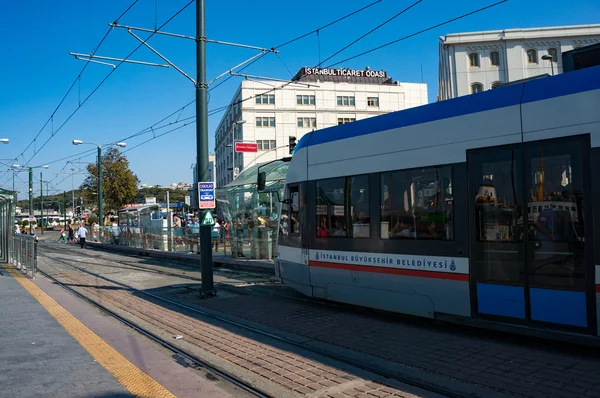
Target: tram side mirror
(261,181)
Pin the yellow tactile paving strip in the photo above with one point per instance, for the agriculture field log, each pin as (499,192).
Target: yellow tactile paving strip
(130,376)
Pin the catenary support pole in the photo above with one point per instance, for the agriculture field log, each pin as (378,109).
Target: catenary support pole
(202,142)
(65,208)
(30,192)
(42,202)
(100,214)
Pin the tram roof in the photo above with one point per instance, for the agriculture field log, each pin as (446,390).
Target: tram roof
(551,87)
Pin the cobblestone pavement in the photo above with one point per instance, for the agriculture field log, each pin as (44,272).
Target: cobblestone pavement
(518,366)
(299,374)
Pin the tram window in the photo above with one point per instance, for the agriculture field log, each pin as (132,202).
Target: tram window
(331,206)
(417,204)
(293,224)
(359,206)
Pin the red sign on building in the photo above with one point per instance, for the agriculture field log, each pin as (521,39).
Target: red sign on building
(246,147)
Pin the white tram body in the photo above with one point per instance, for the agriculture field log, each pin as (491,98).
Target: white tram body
(479,208)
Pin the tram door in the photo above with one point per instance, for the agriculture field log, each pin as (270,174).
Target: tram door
(529,260)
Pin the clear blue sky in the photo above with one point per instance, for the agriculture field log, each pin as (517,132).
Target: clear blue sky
(36,70)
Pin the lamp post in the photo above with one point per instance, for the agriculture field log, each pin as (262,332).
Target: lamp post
(119,144)
(4,140)
(233,140)
(550,58)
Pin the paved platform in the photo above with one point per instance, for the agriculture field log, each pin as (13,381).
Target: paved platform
(54,344)
(516,365)
(38,357)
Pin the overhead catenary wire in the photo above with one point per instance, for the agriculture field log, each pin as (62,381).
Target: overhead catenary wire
(218,110)
(328,25)
(419,32)
(370,31)
(77,79)
(107,76)
(225,107)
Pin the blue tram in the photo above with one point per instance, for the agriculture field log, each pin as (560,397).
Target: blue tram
(478,208)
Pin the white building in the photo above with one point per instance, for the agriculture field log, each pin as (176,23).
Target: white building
(318,98)
(477,61)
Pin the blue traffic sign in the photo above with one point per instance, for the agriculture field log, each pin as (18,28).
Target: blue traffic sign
(206,195)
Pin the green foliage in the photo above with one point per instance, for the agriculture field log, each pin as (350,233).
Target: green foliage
(119,184)
(92,220)
(25,223)
(175,195)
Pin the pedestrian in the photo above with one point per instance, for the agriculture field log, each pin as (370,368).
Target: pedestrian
(71,233)
(216,234)
(82,232)
(63,236)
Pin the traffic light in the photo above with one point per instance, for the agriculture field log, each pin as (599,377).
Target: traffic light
(78,211)
(292,144)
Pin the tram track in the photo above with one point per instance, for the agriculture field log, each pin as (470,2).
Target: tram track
(260,288)
(162,342)
(129,290)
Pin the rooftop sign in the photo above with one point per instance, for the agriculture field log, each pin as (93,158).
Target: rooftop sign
(345,72)
(343,75)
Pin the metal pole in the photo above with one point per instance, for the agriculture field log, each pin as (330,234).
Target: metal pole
(73,186)
(100,215)
(169,226)
(552,66)
(65,209)
(30,192)
(232,152)
(42,201)
(202,142)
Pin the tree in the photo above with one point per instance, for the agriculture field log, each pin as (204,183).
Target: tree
(119,184)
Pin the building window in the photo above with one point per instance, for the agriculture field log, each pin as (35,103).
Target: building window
(496,85)
(476,88)
(305,100)
(265,99)
(265,122)
(474,59)
(553,53)
(344,100)
(266,145)
(373,101)
(307,122)
(417,204)
(532,56)
(495,58)
(346,120)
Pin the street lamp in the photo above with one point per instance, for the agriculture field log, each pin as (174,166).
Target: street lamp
(233,140)
(550,58)
(119,144)
(4,140)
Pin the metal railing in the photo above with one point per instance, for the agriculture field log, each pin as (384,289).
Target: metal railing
(252,243)
(24,253)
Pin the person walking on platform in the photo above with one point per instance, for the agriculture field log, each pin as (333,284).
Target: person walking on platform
(82,233)
(71,234)
(63,236)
